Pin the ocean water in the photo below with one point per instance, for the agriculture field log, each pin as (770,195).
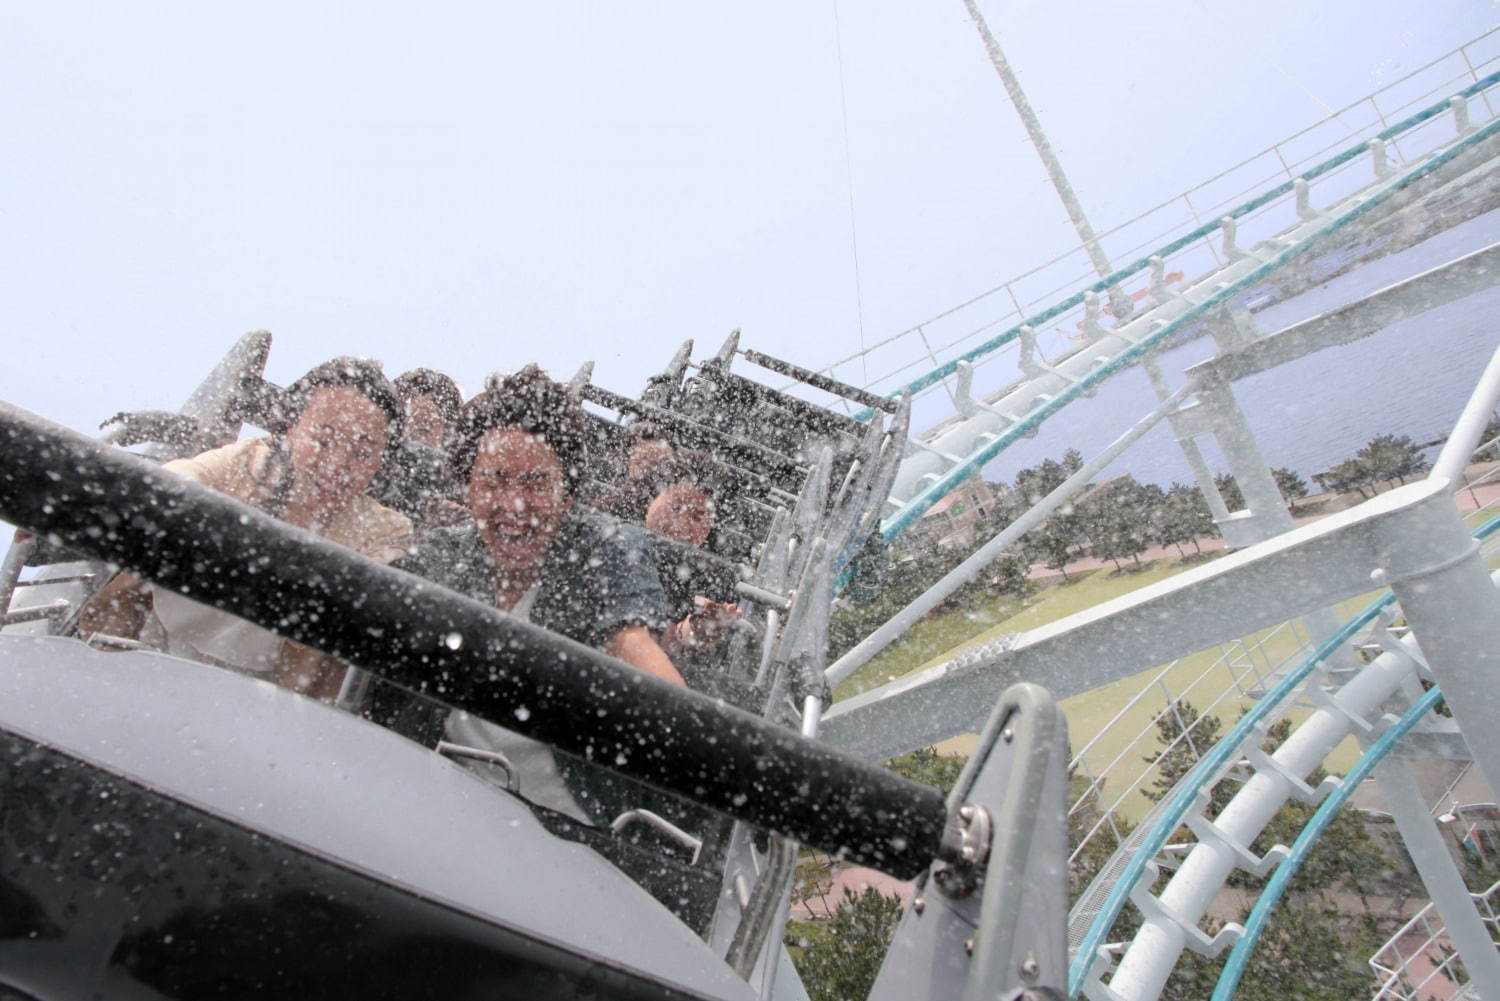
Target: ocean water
(1412,378)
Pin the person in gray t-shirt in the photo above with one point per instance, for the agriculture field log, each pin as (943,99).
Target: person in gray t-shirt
(520,451)
(597,579)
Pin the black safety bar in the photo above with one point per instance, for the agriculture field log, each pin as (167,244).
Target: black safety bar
(118,507)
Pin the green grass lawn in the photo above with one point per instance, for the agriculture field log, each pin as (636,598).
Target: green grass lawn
(1200,677)
(1128,740)
(937,638)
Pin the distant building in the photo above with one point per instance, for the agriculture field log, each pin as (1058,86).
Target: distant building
(955,521)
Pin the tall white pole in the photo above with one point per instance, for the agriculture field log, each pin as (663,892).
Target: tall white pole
(1118,302)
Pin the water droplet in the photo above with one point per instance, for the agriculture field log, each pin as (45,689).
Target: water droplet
(522,713)
(453,641)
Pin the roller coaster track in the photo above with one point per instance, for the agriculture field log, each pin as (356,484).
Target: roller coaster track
(1347,712)
(950,451)
(1322,563)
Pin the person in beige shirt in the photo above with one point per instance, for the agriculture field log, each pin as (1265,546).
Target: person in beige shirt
(345,420)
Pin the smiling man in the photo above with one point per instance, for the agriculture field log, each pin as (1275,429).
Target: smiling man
(530,552)
(521,454)
(343,421)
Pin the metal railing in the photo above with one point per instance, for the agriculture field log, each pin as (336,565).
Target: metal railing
(1280,880)
(1123,776)
(1221,687)
(1418,963)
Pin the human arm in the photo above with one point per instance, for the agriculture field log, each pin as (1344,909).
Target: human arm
(383,535)
(702,628)
(119,608)
(634,645)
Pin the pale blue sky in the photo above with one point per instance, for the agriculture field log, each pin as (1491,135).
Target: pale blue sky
(474,185)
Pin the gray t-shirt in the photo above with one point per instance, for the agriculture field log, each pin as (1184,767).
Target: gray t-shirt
(599,575)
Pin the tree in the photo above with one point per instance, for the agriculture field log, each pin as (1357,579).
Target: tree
(1118,519)
(1229,490)
(1052,543)
(1292,486)
(927,766)
(1345,855)
(838,958)
(1302,955)
(1185,517)
(1392,457)
(1040,480)
(1307,950)
(1185,735)
(1351,474)
(914,569)
(813,882)
(839,951)
(1011,575)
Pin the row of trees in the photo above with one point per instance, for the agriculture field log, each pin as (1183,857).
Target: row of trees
(1385,458)
(1118,521)
(1115,521)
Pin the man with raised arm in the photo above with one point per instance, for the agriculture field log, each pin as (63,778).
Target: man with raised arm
(418,481)
(343,423)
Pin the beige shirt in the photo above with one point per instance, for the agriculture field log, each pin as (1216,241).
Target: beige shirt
(248,471)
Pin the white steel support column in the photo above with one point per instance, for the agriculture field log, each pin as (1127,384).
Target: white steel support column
(1453,609)
(1268,513)
(1202,475)
(1439,874)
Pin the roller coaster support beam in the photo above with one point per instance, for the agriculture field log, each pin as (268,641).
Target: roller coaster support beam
(1439,577)
(1188,443)
(1313,566)
(1217,412)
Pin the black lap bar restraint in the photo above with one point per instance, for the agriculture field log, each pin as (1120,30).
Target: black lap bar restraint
(118,507)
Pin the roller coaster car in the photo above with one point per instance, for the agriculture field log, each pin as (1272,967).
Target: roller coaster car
(171,830)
